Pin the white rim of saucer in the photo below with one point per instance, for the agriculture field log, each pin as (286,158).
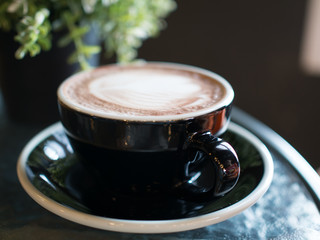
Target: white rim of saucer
(226,101)
(140,226)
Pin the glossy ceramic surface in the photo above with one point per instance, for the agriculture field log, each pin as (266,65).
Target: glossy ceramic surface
(51,174)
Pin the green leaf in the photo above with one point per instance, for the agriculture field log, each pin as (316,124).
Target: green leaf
(34,50)
(90,50)
(64,41)
(45,43)
(78,32)
(20,53)
(73,58)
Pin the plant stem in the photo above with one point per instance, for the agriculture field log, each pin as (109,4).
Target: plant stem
(77,40)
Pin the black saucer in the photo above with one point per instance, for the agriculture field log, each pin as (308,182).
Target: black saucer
(54,169)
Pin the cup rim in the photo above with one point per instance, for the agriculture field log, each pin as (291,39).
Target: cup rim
(224,102)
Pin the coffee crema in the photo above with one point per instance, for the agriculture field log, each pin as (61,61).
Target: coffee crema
(146,92)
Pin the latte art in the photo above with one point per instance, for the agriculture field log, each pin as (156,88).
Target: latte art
(142,92)
(145,91)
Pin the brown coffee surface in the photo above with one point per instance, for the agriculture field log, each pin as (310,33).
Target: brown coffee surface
(144,90)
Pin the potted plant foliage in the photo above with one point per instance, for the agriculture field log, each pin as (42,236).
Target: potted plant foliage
(73,31)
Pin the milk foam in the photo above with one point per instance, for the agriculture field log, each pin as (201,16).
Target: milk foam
(144,93)
(141,90)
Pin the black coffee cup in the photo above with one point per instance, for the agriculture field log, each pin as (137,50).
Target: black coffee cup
(179,154)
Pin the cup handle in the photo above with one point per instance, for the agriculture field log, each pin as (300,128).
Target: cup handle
(211,166)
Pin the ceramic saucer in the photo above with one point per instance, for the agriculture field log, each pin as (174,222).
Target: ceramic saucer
(53,176)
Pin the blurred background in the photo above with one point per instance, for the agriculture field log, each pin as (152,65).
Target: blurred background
(268,50)
(258,46)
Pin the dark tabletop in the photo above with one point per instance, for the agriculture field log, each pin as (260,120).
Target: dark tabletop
(289,209)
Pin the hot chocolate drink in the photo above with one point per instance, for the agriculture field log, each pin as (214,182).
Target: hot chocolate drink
(145,92)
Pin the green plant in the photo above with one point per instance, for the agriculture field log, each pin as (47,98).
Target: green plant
(121,25)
